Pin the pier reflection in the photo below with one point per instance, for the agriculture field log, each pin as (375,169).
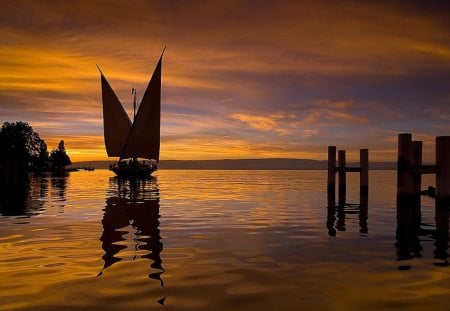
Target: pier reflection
(411,231)
(133,208)
(337,213)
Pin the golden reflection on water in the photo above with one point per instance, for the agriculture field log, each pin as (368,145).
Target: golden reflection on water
(215,240)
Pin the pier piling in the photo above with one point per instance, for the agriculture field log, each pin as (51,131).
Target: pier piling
(331,184)
(364,174)
(443,170)
(404,178)
(416,161)
(342,177)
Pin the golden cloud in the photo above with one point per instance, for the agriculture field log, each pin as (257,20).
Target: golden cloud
(257,122)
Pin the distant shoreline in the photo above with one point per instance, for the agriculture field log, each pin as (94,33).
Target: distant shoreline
(243,164)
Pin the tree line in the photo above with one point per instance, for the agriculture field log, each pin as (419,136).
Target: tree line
(22,150)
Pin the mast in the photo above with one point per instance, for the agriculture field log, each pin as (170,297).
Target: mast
(133,92)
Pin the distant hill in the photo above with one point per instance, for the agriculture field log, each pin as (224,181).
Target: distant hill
(242,164)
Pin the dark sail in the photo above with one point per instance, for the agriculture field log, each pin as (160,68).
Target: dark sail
(144,136)
(116,123)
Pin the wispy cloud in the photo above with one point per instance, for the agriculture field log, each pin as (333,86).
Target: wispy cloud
(258,122)
(330,117)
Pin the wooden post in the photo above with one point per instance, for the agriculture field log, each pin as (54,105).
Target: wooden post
(442,226)
(413,200)
(404,180)
(416,161)
(364,174)
(342,183)
(331,185)
(443,170)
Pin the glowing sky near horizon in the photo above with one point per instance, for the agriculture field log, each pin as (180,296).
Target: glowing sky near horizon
(241,79)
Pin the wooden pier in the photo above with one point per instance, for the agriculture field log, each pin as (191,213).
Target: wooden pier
(342,169)
(337,213)
(409,210)
(410,169)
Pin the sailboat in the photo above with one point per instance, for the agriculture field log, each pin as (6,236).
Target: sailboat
(136,143)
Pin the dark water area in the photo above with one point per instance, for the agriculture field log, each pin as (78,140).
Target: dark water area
(219,240)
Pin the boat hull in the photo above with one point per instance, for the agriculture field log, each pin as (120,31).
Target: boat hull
(130,171)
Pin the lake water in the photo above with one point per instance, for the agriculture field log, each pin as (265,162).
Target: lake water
(217,240)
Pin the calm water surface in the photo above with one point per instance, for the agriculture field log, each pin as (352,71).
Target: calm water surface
(216,240)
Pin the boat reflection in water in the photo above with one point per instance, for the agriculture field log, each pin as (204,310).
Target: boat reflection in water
(411,231)
(133,207)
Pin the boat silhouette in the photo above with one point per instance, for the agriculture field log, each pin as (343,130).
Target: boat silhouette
(136,143)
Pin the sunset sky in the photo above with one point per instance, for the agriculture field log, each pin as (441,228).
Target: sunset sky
(240,79)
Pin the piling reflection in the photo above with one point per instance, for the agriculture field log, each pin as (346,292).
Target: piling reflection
(133,207)
(337,213)
(410,230)
(441,235)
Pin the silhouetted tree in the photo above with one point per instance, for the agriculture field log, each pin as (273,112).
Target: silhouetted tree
(19,151)
(59,157)
(42,162)
(19,142)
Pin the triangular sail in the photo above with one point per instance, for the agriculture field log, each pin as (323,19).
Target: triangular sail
(144,136)
(116,123)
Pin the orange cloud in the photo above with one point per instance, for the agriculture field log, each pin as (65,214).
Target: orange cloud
(281,123)
(334,104)
(328,117)
(257,122)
